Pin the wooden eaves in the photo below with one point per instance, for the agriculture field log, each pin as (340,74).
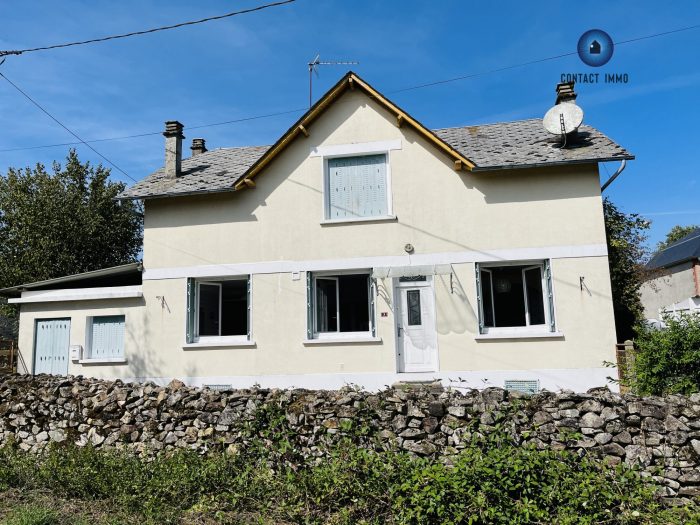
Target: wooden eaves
(349,81)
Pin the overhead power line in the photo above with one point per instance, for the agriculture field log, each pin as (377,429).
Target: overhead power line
(64,126)
(538,61)
(146,31)
(409,88)
(151,133)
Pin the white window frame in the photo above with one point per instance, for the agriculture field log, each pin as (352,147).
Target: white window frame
(313,335)
(87,356)
(548,329)
(219,340)
(358,152)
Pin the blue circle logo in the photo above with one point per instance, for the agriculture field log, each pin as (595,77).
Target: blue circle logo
(595,47)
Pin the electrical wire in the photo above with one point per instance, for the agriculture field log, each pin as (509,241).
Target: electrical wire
(409,88)
(64,126)
(146,31)
(151,133)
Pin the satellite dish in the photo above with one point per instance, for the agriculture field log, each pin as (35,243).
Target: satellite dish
(563,118)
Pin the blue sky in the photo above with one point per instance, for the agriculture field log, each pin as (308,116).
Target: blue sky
(255,64)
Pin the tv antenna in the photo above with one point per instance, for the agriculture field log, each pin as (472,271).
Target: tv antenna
(313,68)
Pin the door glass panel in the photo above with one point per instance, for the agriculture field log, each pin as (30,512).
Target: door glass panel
(326,305)
(413,305)
(535,300)
(209,309)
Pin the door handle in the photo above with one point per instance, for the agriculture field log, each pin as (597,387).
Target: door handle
(398,330)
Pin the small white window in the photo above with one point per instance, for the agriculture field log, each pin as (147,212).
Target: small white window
(218,309)
(106,337)
(356,187)
(340,305)
(515,297)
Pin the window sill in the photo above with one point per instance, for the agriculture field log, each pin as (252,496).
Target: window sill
(341,340)
(383,218)
(219,344)
(112,361)
(520,335)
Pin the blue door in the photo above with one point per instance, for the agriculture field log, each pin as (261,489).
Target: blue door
(51,346)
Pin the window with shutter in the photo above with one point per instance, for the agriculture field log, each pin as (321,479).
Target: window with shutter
(218,309)
(341,303)
(357,187)
(515,297)
(107,337)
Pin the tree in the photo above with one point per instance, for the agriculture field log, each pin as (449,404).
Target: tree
(64,222)
(626,235)
(675,234)
(667,361)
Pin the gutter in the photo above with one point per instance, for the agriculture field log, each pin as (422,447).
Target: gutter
(615,175)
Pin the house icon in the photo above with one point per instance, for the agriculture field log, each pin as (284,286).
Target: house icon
(594,48)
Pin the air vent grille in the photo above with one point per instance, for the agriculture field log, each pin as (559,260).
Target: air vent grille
(524,386)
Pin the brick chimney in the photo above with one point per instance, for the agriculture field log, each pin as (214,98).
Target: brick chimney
(198,146)
(565,92)
(173,148)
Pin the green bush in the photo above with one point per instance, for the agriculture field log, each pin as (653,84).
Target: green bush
(32,515)
(492,481)
(667,361)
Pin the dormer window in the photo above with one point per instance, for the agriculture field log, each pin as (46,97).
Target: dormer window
(357,188)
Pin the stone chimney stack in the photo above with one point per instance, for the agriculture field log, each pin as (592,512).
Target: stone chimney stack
(565,92)
(198,147)
(173,148)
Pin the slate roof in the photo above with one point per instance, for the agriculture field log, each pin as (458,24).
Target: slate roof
(526,144)
(213,171)
(505,145)
(684,249)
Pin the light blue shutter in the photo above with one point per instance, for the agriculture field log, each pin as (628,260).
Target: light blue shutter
(357,187)
(479,298)
(309,306)
(107,337)
(550,294)
(51,346)
(190,314)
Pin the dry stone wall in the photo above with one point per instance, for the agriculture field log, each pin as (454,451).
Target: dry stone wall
(661,435)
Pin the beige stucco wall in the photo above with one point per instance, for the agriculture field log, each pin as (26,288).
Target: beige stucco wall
(135,336)
(438,210)
(670,286)
(156,332)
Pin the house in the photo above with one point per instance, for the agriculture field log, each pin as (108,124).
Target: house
(673,282)
(361,248)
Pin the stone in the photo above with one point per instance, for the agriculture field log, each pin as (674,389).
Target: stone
(412,433)
(603,438)
(592,420)
(591,405)
(420,448)
(570,413)
(456,411)
(677,437)
(613,449)
(695,443)
(623,437)
(430,424)
(57,436)
(541,418)
(609,414)
(436,409)
(651,424)
(672,423)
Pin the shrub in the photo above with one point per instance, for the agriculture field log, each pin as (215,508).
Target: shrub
(667,361)
(492,481)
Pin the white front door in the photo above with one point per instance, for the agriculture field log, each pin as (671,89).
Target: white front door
(415,316)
